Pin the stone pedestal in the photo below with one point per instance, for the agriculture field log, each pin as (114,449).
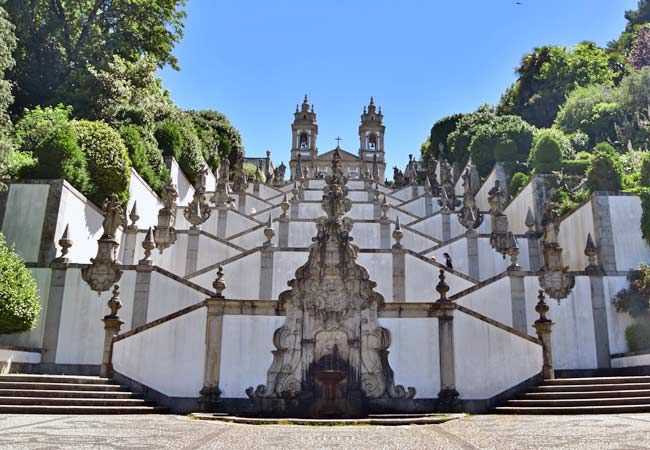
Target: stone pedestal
(112,327)
(448,395)
(213,334)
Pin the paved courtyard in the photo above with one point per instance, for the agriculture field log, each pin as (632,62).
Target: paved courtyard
(625,431)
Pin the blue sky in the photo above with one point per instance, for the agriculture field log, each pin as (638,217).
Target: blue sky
(421,60)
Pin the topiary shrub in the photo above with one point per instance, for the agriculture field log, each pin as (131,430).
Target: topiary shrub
(107,159)
(638,336)
(48,136)
(547,155)
(169,138)
(19,300)
(505,150)
(605,172)
(517,183)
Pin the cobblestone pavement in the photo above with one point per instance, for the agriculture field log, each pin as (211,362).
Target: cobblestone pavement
(40,432)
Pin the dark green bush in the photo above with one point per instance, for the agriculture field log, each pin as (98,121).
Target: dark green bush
(517,183)
(638,335)
(505,150)
(644,194)
(547,155)
(19,300)
(644,172)
(575,167)
(146,159)
(47,134)
(107,159)
(169,138)
(605,172)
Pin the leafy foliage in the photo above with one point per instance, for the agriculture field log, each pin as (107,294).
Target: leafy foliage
(505,150)
(635,300)
(7,46)
(460,139)
(605,172)
(219,139)
(640,54)
(169,138)
(19,300)
(547,155)
(59,40)
(145,157)
(575,166)
(440,131)
(548,74)
(107,160)
(48,135)
(637,336)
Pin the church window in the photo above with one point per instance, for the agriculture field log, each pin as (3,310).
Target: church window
(303,141)
(372,142)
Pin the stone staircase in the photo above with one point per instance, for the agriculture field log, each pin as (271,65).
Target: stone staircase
(601,395)
(66,394)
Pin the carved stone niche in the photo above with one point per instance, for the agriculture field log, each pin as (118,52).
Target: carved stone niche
(331,353)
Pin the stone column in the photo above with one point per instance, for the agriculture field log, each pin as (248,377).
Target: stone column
(241,204)
(112,325)
(130,240)
(192,255)
(518,299)
(283,231)
(53,312)
(428,204)
(399,261)
(603,233)
(543,327)
(266,263)
(213,334)
(532,238)
(222,222)
(472,254)
(599,311)
(384,233)
(142,284)
(446,224)
(448,395)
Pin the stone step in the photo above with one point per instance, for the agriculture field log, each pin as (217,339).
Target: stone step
(591,387)
(58,393)
(45,409)
(71,379)
(617,409)
(597,380)
(61,386)
(55,401)
(580,402)
(585,394)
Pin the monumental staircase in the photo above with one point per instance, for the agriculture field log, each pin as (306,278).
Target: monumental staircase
(65,394)
(596,395)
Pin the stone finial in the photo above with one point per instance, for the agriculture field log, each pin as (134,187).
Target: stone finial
(114,304)
(148,245)
(384,208)
(133,216)
(376,193)
(398,234)
(268,232)
(442,287)
(294,193)
(284,205)
(428,186)
(219,284)
(513,252)
(65,243)
(542,308)
(530,222)
(591,252)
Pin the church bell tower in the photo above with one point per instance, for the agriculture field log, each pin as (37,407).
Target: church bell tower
(371,138)
(304,131)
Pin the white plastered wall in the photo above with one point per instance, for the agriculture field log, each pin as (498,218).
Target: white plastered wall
(24,216)
(629,245)
(518,209)
(573,236)
(492,300)
(167,295)
(421,278)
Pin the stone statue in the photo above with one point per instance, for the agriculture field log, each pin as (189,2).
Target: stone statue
(113,216)
(447,186)
(551,225)
(169,196)
(201,180)
(224,171)
(496,199)
(164,233)
(398,178)
(469,215)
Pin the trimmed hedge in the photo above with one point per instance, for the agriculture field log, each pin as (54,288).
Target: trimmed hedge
(575,167)
(147,159)
(638,335)
(517,183)
(107,159)
(505,150)
(19,299)
(169,138)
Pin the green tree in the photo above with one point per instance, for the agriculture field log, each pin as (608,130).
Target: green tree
(59,40)
(549,73)
(145,157)
(459,140)
(440,131)
(7,46)
(517,183)
(605,172)
(19,300)
(218,137)
(640,53)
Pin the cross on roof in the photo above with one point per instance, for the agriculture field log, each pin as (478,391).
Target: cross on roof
(338,141)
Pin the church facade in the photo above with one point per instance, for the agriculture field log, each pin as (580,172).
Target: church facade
(306,161)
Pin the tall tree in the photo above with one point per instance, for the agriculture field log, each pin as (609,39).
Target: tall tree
(7,46)
(59,39)
(640,54)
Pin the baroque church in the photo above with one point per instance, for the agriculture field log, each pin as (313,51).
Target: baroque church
(330,294)
(306,161)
